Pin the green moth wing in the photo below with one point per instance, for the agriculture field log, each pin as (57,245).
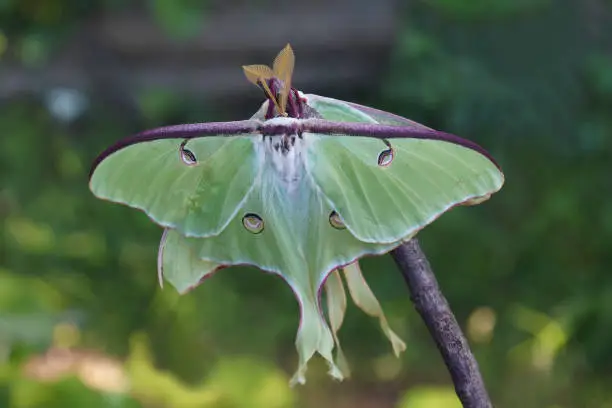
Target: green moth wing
(386,190)
(336,308)
(297,235)
(364,298)
(179,265)
(194,185)
(337,110)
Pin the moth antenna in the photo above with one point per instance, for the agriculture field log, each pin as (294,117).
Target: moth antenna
(283,69)
(255,73)
(267,90)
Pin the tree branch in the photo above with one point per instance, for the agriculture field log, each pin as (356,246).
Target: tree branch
(439,319)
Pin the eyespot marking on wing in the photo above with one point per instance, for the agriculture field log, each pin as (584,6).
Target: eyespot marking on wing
(253,223)
(187,156)
(386,156)
(335,221)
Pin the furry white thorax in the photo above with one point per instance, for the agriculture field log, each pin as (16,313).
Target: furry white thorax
(283,155)
(281,120)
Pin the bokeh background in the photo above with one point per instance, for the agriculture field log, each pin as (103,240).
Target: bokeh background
(83,322)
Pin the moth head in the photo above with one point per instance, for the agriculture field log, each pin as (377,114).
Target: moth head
(275,81)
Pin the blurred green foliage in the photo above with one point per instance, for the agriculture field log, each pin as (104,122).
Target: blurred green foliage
(487,9)
(527,273)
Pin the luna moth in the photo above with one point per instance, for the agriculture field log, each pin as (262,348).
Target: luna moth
(302,189)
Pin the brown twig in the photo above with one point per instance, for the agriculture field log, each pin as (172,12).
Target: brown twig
(439,319)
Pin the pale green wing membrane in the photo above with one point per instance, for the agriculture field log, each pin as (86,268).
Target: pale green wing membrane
(385,191)
(386,118)
(335,110)
(193,185)
(336,308)
(179,265)
(364,298)
(342,111)
(295,233)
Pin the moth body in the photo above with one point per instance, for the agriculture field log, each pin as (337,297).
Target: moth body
(284,151)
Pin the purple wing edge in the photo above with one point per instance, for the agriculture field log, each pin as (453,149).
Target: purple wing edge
(378,131)
(387,132)
(184,131)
